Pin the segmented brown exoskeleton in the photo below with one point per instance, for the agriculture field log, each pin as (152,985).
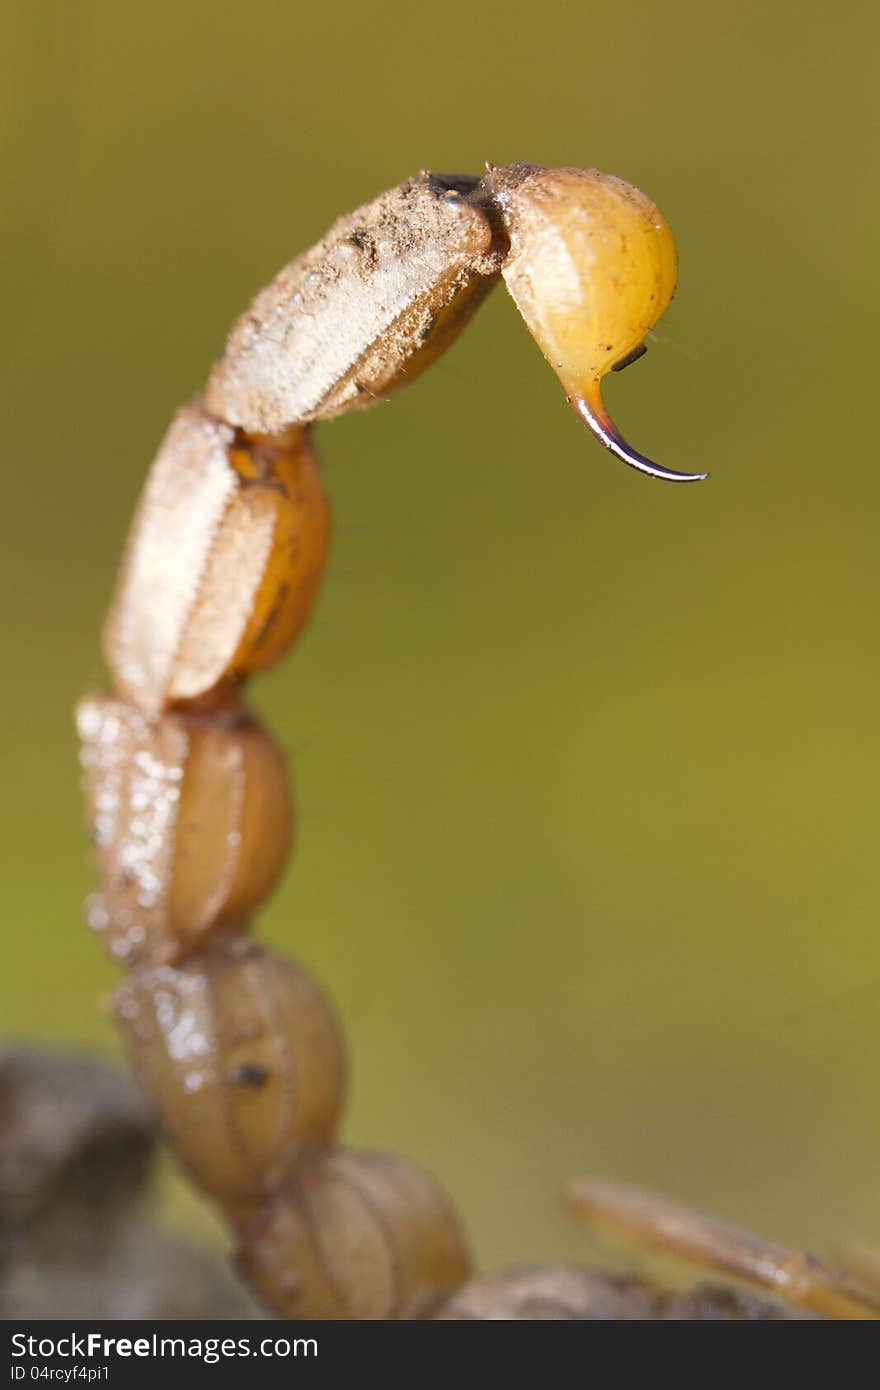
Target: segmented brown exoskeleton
(188,795)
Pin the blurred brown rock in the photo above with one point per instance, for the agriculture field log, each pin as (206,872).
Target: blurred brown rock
(569,1293)
(77,1236)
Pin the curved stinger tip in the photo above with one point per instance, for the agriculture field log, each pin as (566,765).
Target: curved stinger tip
(596,418)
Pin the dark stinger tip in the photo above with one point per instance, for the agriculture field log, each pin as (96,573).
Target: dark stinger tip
(599,422)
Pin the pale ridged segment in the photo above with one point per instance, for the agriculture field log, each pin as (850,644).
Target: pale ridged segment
(355,1235)
(191,820)
(222,564)
(242,1056)
(361,314)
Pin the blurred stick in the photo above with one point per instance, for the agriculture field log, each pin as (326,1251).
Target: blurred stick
(648,1223)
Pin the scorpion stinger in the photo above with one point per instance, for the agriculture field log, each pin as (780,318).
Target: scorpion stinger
(591,410)
(591,268)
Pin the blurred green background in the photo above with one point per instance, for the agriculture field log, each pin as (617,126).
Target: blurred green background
(587,766)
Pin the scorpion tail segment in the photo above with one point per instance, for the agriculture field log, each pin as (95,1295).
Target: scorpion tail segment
(591,268)
(591,410)
(364,312)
